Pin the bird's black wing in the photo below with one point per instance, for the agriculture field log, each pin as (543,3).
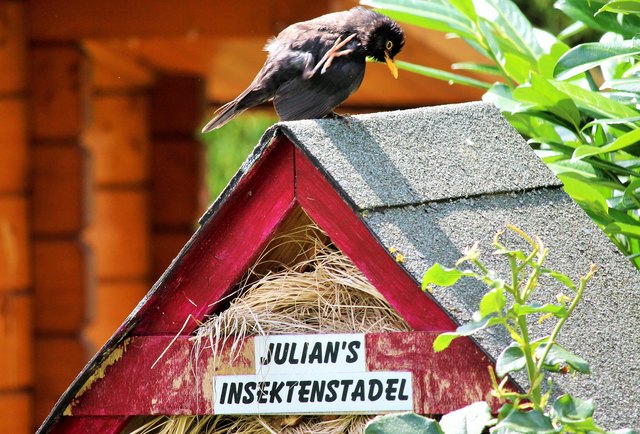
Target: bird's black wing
(316,97)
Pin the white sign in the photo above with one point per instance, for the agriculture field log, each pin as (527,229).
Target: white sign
(312,374)
(292,354)
(366,392)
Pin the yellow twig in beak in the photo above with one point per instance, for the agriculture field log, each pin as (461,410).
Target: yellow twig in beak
(392,66)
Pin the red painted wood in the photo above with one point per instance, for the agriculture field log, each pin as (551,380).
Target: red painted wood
(442,382)
(178,381)
(90,425)
(225,246)
(182,380)
(329,210)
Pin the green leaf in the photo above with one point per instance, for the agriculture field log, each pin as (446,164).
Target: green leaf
(442,75)
(471,419)
(403,423)
(441,276)
(572,30)
(630,199)
(624,141)
(466,7)
(621,6)
(588,193)
(535,307)
(443,340)
(526,422)
(583,426)
(589,55)
(624,84)
(582,169)
(515,26)
(436,14)
(541,92)
(562,278)
(512,359)
(585,11)
(628,121)
(502,96)
(547,62)
(540,127)
(629,230)
(570,409)
(477,67)
(559,356)
(492,43)
(518,66)
(492,302)
(594,103)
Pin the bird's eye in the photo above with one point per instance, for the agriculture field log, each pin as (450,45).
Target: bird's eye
(389,45)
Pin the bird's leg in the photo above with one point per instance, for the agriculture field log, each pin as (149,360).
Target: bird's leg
(332,53)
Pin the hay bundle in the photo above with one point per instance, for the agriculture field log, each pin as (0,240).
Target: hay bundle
(316,290)
(348,424)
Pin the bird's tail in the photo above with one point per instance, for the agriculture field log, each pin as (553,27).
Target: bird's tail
(223,115)
(249,98)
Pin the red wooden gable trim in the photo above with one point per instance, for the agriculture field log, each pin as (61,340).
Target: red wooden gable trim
(442,382)
(223,249)
(329,210)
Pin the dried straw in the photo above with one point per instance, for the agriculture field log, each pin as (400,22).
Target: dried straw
(349,424)
(319,290)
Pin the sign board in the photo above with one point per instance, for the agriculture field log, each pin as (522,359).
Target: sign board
(312,374)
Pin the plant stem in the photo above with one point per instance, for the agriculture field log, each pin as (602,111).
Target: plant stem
(532,372)
(556,330)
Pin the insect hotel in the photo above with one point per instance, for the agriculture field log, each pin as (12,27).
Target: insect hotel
(296,305)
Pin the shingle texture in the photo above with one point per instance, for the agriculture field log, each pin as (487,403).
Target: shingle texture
(421,155)
(430,182)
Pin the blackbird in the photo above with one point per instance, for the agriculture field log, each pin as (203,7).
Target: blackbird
(313,66)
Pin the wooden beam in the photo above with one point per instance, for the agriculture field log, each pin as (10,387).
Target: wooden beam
(63,20)
(58,177)
(57,76)
(61,273)
(117,138)
(17,412)
(16,358)
(115,70)
(176,377)
(119,234)
(15,249)
(12,49)
(59,358)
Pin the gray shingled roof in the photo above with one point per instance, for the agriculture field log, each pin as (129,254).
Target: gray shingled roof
(430,182)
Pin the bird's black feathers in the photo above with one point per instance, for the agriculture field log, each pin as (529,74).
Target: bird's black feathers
(308,72)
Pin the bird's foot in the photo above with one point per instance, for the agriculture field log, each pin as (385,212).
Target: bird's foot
(327,59)
(346,118)
(335,51)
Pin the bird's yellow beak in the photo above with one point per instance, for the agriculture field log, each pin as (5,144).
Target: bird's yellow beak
(392,66)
